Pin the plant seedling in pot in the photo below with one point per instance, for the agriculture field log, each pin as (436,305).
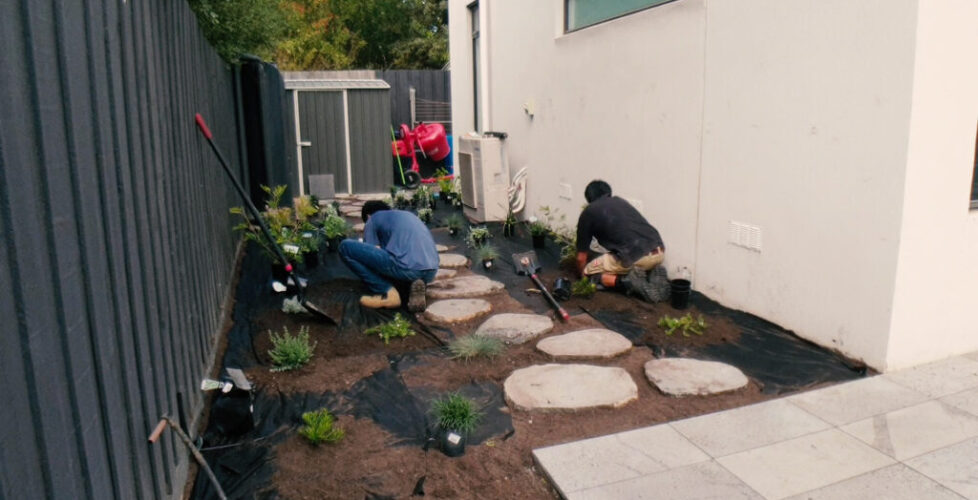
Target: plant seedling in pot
(486,254)
(454,222)
(477,237)
(425,215)
(583,288)
(457,417)
(288,352)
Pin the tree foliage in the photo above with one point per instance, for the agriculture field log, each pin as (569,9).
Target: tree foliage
(329,34)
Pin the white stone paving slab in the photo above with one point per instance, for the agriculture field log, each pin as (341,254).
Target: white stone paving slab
(444,274)
(955,467)
(463,287)
(608,459)
(705,480)
(896,482)
(693,377)
(966,400)
(569,387)
(846,403)
(351,210)
(358,227)
(441,248)
(452,260)
(940,378)
(915,430)
(515,328)
(804,463)
(747,427)
(592,343)
(456,310)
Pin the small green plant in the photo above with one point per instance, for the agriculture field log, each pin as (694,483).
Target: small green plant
(454,222)
(397,327)
(478,236)
(475,346)
(292,305)
(583,288)
(456,412)
(537,227)
(288,352)
(335,226)
(445,184)
(486,252)
(423,197)
(509,225)
(685,323)
(320,427)
(425,215)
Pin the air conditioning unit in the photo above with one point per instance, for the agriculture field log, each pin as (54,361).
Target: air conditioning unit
(484,178)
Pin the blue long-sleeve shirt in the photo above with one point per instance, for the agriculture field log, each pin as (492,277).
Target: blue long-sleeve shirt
(404,236)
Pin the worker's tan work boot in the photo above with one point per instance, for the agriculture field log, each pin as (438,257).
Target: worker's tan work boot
(390,300)
(416,300)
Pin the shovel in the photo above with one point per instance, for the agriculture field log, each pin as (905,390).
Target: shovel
(526,264)
(261,223)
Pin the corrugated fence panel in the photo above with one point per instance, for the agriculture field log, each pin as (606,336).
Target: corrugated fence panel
(115,246)
(433,85)
(370,153)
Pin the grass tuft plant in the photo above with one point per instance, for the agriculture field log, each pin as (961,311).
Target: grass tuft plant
(583,288)
(684,323)
(475,346)
(456,412)
(288,352)
(320,427)
(397,327)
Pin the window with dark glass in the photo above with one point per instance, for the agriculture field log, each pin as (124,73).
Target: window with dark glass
(582,13)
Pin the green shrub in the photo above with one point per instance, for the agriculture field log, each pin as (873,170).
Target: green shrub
(474,346)
(478,236)
(685,323)
(288,352)
(320,427)
(486,252)
(335,226)
(397,327)
(584,287)
(456,412)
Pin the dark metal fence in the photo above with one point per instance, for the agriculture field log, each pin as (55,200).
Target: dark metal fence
(115,249)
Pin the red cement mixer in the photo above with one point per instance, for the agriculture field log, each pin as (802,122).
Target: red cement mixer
(430,138)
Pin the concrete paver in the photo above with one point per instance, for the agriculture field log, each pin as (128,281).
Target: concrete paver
(896,482)
(954,467)
(698,481)
(846,403)
(940,378)
(915,430)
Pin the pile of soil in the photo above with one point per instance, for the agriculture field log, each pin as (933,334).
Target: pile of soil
(386,452)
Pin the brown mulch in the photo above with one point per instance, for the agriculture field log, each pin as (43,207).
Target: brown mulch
(366,462)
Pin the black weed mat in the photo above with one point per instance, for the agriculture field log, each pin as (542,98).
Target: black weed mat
(244,464)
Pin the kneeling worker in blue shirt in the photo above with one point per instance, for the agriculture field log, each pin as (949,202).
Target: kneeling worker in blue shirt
(397,247)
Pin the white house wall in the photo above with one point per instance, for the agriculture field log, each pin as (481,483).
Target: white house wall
(790,116)
(935,303)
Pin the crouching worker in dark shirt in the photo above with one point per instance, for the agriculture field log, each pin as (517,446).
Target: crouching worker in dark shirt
(634,246)
(397,247)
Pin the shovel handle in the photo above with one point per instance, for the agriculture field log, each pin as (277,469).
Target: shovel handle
(550,298)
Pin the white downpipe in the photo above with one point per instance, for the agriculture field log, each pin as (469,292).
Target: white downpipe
(346,133)
(298,142)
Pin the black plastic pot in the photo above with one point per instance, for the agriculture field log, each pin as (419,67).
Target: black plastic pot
(562,289)
(487,264)
(452,232)
(508,230)
(452,443)
(539,240)
(333,244)
(311,259)
(679,293)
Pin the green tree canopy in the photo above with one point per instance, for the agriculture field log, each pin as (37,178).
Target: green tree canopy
(329,34)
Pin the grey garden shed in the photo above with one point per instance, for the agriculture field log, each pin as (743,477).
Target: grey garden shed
(342,128)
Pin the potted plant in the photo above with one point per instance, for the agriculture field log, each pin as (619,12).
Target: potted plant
(538,231)
(583,287)
(335,228)
(401,201)
(509,225)
(287,226)
(486,254)
(425,215)
(445,185)
(454,222)
(477,237)
(423,197)
(456,417)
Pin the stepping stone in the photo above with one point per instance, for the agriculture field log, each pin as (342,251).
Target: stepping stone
(371,196)
(452,260)
(351,211)
(463,287)
(358,227)
(444,274)
(593,343)
(441,248)
(569,387)
(692,377)
(514,328)
(456,310)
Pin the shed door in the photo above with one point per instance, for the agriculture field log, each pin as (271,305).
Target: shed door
(370,140)
(323,133)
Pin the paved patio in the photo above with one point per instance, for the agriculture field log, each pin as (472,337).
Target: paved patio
(909,434)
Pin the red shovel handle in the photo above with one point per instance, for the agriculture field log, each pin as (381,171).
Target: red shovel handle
(203,127)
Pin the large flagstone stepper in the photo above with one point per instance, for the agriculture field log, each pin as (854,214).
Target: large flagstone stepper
(569,387)
(463,287)
(515,328)
(693,377)
(592,343)
(456,310)
(452,260)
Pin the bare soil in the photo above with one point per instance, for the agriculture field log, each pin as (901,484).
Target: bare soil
(368,463)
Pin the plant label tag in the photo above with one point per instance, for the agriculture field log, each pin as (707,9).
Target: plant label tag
(292,249)
(454,438)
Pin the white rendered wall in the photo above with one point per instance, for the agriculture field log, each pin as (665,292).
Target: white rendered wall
(793,116)
(620,101)
(936,298)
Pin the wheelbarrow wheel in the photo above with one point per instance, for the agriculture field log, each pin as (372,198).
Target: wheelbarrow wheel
(412,179)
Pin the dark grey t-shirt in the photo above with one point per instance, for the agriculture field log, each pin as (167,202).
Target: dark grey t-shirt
(619,228)
(405,237)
